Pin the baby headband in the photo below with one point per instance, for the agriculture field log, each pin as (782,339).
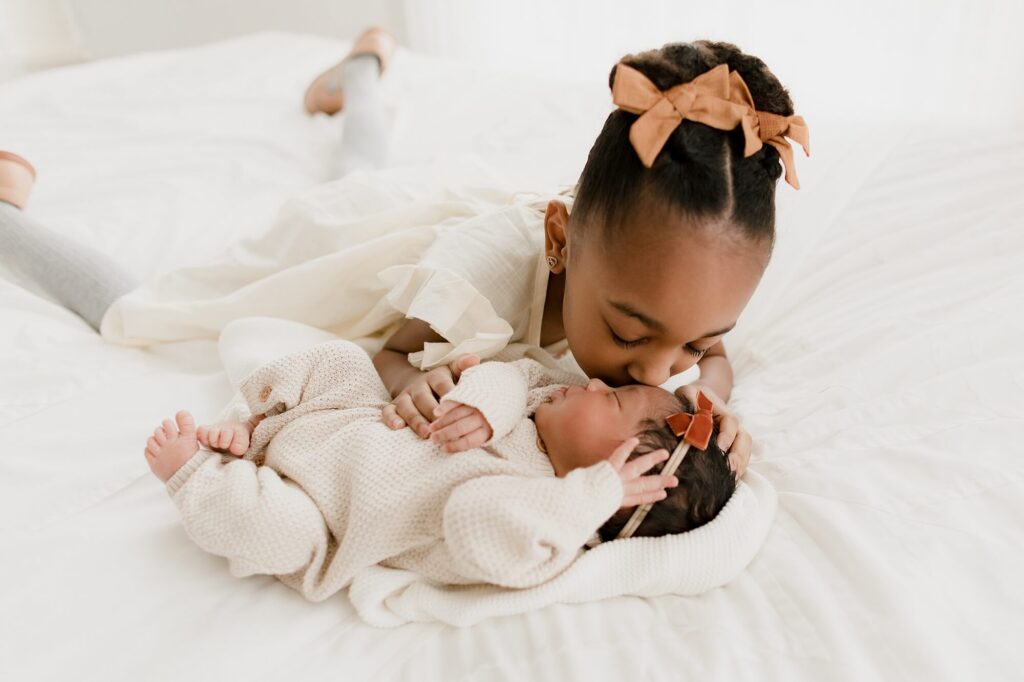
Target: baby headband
(717,98)
(696,430)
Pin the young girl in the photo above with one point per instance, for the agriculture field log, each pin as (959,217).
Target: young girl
(640,276)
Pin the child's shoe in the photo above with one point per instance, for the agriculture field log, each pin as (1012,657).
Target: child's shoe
(325,93)
(16,179)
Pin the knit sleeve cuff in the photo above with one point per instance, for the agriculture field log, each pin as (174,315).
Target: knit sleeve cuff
(498,390)
(175,482)
(602,488)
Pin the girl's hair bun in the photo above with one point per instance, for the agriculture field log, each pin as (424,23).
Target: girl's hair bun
(701,171)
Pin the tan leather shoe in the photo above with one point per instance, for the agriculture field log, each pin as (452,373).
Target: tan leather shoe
(325,93)
(16,179)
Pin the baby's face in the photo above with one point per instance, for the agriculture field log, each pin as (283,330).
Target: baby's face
(581,426)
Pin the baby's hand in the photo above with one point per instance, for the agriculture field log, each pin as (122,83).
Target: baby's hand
(459,427)
(416,403)
(638,489)
(230,437)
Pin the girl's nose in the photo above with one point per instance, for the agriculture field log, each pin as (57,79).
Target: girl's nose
(596,385)
(652,371)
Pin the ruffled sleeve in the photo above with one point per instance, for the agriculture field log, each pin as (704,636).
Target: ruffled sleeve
(475,286)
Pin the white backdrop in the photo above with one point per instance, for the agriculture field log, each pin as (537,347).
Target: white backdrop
(872,59)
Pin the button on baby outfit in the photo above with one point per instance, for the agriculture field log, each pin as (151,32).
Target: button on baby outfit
(265,392)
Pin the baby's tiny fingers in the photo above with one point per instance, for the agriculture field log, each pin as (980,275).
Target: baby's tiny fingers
(470,440)
(224,438)
(639,465)
(636,499)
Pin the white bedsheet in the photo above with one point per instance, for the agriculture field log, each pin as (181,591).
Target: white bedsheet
(879,369)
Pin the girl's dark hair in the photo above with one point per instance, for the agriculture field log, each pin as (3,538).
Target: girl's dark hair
(701,171)
(706,483)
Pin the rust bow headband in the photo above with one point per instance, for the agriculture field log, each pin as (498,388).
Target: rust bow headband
(718,98)
(695,430)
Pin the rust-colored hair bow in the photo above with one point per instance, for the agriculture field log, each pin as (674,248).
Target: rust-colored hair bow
(694,428)
(717,98)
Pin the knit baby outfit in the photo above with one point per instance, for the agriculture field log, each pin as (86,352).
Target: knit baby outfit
(326,490)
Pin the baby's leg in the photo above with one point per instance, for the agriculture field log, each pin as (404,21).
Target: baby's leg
(81,278)
(171,445)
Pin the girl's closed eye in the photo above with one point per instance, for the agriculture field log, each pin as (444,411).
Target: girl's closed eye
(623,343)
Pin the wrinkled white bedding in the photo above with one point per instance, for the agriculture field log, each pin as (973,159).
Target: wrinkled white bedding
(879,369)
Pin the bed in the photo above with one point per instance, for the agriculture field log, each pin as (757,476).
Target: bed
(879,369)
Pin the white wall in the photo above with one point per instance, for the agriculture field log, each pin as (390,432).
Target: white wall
(878,59)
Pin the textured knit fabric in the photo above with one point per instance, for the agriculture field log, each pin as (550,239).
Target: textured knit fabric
(327,491)
(356,257)
(79,277)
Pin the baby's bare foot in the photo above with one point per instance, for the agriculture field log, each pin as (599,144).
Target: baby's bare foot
(171,445)
(229,437)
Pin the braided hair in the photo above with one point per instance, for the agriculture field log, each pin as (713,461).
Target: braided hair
(701,172)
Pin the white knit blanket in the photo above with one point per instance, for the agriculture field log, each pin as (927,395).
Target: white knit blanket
(686,564)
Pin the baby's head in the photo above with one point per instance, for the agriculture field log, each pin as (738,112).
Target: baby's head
(581,426)
(659,262)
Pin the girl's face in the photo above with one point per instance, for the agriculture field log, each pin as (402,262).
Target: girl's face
(642,308)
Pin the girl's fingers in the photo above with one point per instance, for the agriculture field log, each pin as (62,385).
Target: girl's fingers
(472,439)
(390,417)
(444,407)
(463,363)
(441,382)
(621,453)
(739,456)
(425,403)
(727,430)
(408,412)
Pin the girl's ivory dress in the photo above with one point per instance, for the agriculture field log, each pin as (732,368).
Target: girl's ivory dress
(355,257)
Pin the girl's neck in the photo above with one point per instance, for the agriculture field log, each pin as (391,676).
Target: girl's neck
(551,327)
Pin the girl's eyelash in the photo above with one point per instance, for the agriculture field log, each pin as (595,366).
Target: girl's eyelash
(695,351)
(623,343)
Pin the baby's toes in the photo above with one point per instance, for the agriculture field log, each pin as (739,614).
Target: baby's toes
(186,424)
(159,436)
(170,429)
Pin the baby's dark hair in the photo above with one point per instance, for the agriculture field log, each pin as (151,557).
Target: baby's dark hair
(701,172)
(705,484)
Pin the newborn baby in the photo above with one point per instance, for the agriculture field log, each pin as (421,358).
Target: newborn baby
(324,489)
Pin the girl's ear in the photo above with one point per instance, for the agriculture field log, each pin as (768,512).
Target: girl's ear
(556,241)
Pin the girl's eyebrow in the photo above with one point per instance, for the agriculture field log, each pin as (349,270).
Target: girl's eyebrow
(652,323)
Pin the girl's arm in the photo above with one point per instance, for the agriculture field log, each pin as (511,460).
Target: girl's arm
(392,362)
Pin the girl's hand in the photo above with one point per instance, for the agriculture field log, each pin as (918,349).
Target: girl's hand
(459,427)
(732,439)
(415,404)
(638,489)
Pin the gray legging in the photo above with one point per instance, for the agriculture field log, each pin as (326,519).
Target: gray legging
(87,281)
